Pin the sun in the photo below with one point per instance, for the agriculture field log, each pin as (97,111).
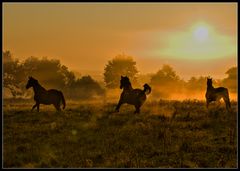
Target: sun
(201,33)
(201,41)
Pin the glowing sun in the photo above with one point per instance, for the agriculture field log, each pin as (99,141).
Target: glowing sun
(201,33)
(200,41)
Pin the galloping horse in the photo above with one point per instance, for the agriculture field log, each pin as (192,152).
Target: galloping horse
(43,96)
(215,94)
(132,96)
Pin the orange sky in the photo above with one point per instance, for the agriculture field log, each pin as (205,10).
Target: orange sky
(84,36)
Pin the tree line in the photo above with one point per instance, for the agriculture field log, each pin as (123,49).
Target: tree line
(52,74)
(165,81)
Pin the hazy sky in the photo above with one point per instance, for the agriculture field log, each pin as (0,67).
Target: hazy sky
(194,38)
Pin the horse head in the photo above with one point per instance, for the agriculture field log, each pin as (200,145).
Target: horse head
(209,81)
(31,82)
(124,82)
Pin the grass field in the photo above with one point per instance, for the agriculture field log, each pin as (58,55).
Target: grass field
(166,134)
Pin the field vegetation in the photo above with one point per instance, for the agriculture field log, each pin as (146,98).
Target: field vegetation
(166,134)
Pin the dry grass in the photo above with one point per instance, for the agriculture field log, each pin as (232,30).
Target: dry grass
(166,134)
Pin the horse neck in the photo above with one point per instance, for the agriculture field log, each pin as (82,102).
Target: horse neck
(210,87)
(38,88)
(127,88)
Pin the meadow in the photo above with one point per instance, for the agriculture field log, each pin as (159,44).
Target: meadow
(166,134)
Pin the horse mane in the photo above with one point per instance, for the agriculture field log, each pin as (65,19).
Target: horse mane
(37,83)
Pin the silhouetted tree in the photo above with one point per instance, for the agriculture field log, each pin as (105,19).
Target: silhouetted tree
(120,65)
(197,84)
(47,71)
(231,81)
(69,76)
(13,74)
(165,75)
(7,56)
(50,73)
(166,81)
(85,88)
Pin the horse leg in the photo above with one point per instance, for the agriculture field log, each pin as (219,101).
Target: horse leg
(121,101)
(207,103)
(57,106)
(34,107)
(137,109)
(118,105)
(218,103)
(38,105)
(227,102)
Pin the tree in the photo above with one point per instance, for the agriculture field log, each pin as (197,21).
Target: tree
(50,73)
(91,85)
(120,65)
(165,82)
(85,88)
(231,80)
(47,71)
(232,73)
(7,56)
(199,83)
(166,75)
(13,74)
(69,76)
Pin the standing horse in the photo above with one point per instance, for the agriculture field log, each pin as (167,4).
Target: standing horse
(215,94)
(43,96)
(132,96)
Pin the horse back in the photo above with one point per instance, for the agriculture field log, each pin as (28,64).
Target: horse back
(216,93)
(221,89)
(53,91)
(134,96)
(137,93)
(48,97)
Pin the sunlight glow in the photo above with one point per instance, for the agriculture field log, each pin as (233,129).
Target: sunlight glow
(199,42)
(201,34)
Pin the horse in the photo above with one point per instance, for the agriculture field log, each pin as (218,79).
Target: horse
(43,96)
(215,94)
(132,96)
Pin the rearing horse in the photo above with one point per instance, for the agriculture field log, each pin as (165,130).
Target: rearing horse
(43,96)
(132,96)
(215,94)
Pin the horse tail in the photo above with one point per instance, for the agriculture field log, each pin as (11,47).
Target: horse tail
(63,100)
(147,89)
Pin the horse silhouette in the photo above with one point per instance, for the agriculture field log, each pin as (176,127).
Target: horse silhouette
(43,96)
(215,94)
(132,96)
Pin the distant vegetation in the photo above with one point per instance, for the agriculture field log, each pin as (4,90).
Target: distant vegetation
(52,74)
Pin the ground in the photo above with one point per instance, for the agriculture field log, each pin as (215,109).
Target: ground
(166,134)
